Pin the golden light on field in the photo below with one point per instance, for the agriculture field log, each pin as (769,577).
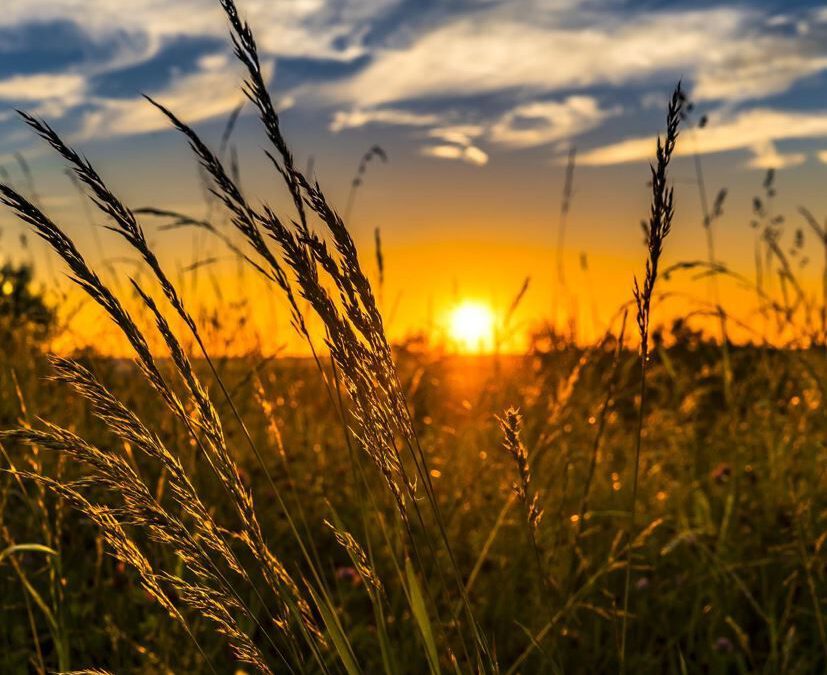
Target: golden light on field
(471,327)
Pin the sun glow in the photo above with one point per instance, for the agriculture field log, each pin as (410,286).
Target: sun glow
(471,327)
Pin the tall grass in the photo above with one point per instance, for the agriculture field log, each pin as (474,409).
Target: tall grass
(361,361)
(659,226)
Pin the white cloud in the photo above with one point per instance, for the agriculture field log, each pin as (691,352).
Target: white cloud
(544,122)
(319,28)
(195,97)
(458,134)
(527,50)
(759,67)
(329,29)
(49,95)
(458,141)
(723,48)
(470,154)
(766,156)
(356,118)
(474,155)
(745,130)
(526,125)
(41,87)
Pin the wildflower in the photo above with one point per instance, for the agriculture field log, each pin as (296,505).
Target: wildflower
(721,473)
(723,645)
(348,574)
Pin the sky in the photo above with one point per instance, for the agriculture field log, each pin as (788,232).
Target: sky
(476,103)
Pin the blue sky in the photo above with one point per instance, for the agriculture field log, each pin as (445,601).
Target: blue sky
(463,80)
(476,101)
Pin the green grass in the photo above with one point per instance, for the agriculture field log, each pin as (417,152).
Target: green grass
(729,579)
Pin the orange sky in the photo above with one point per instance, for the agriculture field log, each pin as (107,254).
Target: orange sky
(425,281)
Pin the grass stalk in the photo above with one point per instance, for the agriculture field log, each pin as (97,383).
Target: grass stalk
(659,226)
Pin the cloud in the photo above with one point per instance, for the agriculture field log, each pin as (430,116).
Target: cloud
(544,122)
(48,95)
(207,93)
(766,156)
(758,68)
(468,153)
(526,125)
(731,53)
(458,134)
(751,129)
(318,28)
(42,87)
(457,142)
(418,65)
(315,29)
(357,118)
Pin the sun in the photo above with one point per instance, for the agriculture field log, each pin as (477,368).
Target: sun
(471,327)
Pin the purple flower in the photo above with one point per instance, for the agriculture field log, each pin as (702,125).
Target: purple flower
(348,574)
(723,645)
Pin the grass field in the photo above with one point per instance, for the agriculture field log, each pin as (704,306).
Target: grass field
(654,502)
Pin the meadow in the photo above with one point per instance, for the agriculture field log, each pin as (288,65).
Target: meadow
(652,502)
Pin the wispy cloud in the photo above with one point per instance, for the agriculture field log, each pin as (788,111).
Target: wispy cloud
(466,153)
(729,55)
(319,28)
(756,130)
(356,118)
(47,94)
(543,122)
(545,71)
(766,156)
(453,141)
(525,125)
(457,142)
(40,87)
(209,92)
(723,49)
(759,67)
(314,29)
(458,134)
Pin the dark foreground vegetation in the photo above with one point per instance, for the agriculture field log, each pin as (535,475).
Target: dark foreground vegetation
(729,571)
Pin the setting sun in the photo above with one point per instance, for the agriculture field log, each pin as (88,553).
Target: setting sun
(472,327)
